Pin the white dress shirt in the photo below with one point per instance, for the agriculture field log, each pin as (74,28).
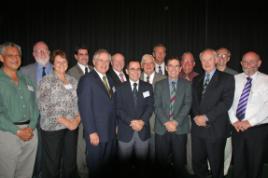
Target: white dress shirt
(83,67)
(132,84)
(256,111)
(162,67)
(151,77)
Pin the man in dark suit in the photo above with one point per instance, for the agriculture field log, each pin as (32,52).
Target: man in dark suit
(134,107)
(77,71)
(116,72)
(173,100)
(96,106)
(213,94)
(149,75)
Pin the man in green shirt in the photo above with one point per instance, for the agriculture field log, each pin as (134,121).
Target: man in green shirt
(18,116)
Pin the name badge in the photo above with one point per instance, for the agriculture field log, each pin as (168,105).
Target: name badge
(30,88)
(113,89)
(146,94)
(68,87)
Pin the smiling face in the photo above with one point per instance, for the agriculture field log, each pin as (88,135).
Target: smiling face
(11,58)
(60,64)
(208,60)
(250,63)
(187,63)
(118,62)
(101,62)
(41,53)
(82,56)
(173,69)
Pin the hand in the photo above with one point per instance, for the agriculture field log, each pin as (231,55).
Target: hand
(244,125)
(70,124)
(237,126)
(25,134)
(94,139)
(137,125)
(200,120)
(171,126)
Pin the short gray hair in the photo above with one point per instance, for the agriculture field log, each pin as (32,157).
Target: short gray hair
(9,44)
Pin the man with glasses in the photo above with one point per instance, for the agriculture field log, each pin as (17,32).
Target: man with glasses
(134,107)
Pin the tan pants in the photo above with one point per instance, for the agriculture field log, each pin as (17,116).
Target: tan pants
(17,157)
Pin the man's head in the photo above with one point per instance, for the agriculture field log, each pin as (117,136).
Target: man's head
(187,62)
(223,57)
(10,56)
(251,62)
(159,53)
(147,64)
(118,62)
(41,53)
(208,59)
(173,68)
(134,70)
(101,60)
(81,55)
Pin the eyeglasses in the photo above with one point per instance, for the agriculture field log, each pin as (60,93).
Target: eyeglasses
(223,55)
(135,69)
(12,55)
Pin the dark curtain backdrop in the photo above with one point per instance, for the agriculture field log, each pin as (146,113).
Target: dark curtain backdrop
(133,27)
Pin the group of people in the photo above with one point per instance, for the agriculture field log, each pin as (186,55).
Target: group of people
(153,116)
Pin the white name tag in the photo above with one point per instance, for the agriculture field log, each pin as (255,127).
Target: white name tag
(30,88)
(146,94)
(113,89)
(68,87)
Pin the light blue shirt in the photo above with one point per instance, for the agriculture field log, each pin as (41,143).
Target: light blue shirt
(48,69)
(170,84)
(210,75)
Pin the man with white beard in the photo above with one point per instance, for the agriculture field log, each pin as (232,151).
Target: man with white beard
(36,72)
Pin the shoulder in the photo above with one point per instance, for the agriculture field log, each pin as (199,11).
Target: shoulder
(27,68)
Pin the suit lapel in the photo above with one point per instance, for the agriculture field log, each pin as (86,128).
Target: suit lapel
(79,70)
(100,83)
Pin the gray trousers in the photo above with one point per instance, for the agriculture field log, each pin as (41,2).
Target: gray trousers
(81,154)
(17,157)
(141,148)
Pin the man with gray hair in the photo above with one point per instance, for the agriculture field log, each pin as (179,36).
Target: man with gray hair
(18,116)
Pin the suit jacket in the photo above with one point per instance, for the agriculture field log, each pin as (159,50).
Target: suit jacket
(77,72)
(215,104)
(181,108)
(126,111)
(96,107)
(30,72)
(115,78)
(157,77)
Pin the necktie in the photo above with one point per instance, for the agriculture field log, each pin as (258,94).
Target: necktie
(105,82)
(135,94)
(172,100)
(160,70)
(121,75)
(86,70)
(242,104)
(43,71)
(148,78)
(205,84)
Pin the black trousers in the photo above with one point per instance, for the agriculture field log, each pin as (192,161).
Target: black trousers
(171,147)
(248,152)
(59,153)
(204,149)
(101,159)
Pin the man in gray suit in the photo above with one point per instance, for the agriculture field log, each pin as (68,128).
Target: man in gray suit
(173,100)
(149,75)
(80,69)
(36,72)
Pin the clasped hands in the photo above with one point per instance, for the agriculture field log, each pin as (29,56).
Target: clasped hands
(171,126)
(241,125)
(137,124)
(200,120)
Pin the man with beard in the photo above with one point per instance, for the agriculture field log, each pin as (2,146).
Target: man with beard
(36,72)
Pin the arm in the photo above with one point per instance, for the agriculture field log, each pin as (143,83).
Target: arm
(159,111)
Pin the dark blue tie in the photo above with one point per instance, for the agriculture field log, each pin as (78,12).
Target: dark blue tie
(43,71)
(205,84)
(242,104)
(135,94)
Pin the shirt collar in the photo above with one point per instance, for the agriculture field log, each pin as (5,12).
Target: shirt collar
(83,67)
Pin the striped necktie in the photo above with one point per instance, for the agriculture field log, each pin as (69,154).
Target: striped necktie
(205,84)
(242,104)
(172,100)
